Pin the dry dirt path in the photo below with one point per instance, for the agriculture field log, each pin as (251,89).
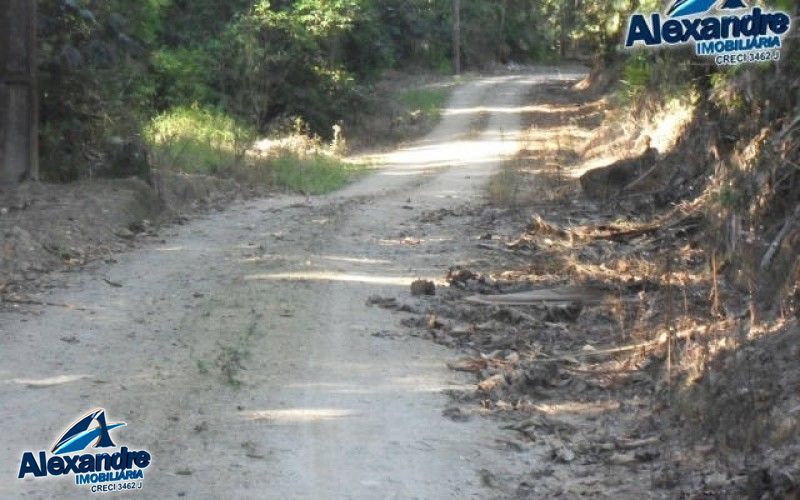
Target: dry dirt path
(240,351)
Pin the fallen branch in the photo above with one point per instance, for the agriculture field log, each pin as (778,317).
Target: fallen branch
(112,283)
(661,340)
(776,243)
(641,178)
(32,302)
(563,294)
(631,233)
(786,131)
(631,444)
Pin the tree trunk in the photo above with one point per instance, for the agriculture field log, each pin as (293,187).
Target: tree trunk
(19,120)
(567,23)
(457,36)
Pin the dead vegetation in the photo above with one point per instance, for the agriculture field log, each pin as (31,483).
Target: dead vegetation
(46,227)
(653,329)
(63,227)
(401,107)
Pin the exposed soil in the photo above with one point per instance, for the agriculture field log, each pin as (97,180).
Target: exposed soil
(47,227)
(281,347)
(601,332)
(241,351)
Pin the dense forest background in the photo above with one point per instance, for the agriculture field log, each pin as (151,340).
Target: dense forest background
(115,71)
(116,75)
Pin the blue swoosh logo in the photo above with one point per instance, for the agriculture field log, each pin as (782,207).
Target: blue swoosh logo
(683,8)
(80,441)
(81,434)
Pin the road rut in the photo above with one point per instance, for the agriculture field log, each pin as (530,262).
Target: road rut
(240,352)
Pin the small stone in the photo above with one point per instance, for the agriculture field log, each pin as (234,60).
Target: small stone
(563,454)
(622,459)
(716,481)
(126,234)
(423,287)
(494,382)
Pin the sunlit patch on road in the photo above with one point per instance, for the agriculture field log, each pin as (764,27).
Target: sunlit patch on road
(298,415)
(48,381)
(336,277)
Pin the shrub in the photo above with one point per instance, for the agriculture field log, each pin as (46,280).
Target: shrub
(197,139)
(313,174)
(183,76)
(637,75)
(428,101)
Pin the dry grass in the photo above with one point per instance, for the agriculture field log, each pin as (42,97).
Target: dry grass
(688,308)
(558,126)
(402,107)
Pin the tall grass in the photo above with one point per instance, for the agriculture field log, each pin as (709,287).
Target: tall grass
(637,75)
(200,140)
(308,173)
(425,100)
(197,139)
(312,174)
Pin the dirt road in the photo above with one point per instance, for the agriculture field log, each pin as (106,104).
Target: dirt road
(240,351)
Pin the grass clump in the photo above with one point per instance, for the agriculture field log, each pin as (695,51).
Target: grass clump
(201,140)
(636,77)
(504,187)
(195,139)
(316,173)
(428,101)
(202,366)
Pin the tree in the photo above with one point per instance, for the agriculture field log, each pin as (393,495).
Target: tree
(457,36)
(18,91)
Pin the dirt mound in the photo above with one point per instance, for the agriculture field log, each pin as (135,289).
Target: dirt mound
(45,227)
(683,372)
(747,404)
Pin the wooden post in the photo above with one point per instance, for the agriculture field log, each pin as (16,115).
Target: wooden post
(569,8)
(19,113)
(457,36)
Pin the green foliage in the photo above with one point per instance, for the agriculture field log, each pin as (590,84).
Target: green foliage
(208,141)
(648,78)
(729,197)
(197,140)
(419,31)
(311,174)
(108,67)
(785,5)
(323,18)
(93,84)
(182,76)
(637,74)
(425,100)
(275,64)
(723,92)
(202,366)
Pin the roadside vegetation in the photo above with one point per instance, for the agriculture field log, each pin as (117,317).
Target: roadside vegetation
(206,141)
(188,84)
(428,101)
(694,245)
(696,249)
(197,140)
